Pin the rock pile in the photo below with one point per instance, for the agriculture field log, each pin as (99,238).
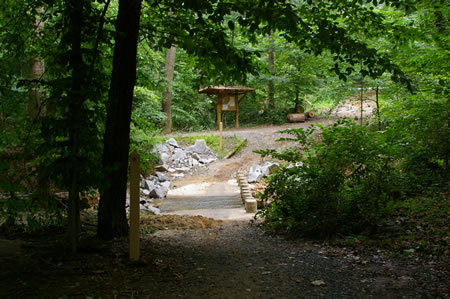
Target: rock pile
(352,109)
(175,161)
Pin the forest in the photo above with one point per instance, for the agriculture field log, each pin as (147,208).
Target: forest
(84,83)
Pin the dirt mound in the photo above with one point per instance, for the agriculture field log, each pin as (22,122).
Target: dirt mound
(162,222)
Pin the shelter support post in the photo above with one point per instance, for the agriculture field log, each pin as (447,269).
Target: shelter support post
(219,109)
(237,112)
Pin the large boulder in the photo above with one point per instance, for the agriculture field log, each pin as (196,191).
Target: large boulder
(172,142)
(178,156)
(257,172)
(149,185)
(199,147)
(158,192)
(161,177)
(160,148)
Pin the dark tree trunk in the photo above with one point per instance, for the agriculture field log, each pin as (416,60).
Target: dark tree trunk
(36,109)
(271,87)
(112,221)
(76,101)
(297,100)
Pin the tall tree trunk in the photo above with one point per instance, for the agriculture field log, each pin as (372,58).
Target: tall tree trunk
(271,87)
(377,93)
(76,100)
(167,96)
(297,100)
(112,221)
(361,100)
(36,109)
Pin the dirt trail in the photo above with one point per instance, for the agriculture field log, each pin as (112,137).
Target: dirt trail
(212,191)
(260,137)
(197,257)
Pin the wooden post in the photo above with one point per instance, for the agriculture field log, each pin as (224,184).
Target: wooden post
(219,108)
(237,111)
(220,134)
(134,206)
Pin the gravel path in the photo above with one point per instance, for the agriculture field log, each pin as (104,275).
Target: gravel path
(236,260)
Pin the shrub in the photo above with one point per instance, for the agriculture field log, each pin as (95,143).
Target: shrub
(342,182)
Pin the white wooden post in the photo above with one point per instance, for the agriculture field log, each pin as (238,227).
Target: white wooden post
(220,134)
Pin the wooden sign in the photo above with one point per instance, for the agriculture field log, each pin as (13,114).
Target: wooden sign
(229,103)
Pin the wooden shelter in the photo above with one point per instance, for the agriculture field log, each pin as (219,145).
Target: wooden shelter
(227,98)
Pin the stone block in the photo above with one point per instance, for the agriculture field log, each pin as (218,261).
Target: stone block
(250,205)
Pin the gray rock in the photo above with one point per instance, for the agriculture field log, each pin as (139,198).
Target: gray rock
(158,192)
(207,160)
(154,210)
(172,142)
(160,148)
(153,178)
(255,174)
(171,170)
(164,158)
(142,184)
(195,156)
(199,147)
(162,168)
(178,175)
(149,185)
(179,155)
(161,177)
(165,185)
(146,192)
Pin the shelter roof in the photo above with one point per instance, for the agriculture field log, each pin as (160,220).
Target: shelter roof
(222,89)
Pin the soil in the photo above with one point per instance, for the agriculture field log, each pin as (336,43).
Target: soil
(198,257)
(259,137)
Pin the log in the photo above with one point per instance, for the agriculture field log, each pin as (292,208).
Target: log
(236,148)
(296,117)
(310,114)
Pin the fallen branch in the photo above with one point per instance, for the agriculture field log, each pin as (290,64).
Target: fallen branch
(236,148)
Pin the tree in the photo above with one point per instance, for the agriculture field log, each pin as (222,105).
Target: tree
(271,85)
(167,96)
(112,219)
(76,99)
(198,24)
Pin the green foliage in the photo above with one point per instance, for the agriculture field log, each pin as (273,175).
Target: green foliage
(326,192)
(27,214)
(142,140)
(212,142)
(419,129)
(344,180)
(418,225)
(147,106)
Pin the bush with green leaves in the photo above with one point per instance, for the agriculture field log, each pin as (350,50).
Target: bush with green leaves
(142,140)
(342,181)
(418,127)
